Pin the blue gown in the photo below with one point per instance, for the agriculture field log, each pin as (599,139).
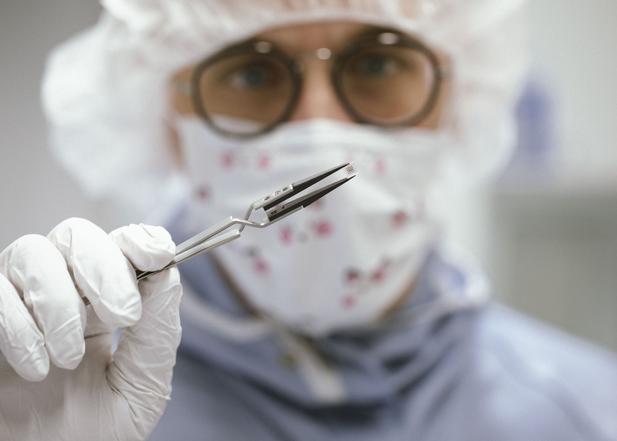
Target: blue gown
(447,366)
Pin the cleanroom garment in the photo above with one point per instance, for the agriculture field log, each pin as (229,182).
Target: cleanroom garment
(476,371)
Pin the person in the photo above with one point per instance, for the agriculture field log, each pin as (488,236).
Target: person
(351,319)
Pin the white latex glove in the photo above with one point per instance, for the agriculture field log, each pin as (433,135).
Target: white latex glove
(62,382)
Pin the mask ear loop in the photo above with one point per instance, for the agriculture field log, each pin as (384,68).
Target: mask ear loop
(174,142)
(178,104)
(446,123)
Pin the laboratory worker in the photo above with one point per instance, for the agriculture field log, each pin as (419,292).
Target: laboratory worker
(351,319)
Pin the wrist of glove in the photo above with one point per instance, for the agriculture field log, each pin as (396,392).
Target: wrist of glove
(58,376)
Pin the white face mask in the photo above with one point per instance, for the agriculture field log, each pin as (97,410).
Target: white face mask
(341,262)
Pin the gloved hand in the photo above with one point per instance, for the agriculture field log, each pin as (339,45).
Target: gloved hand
(62,382)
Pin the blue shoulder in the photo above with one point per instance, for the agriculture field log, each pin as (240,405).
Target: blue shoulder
(552,374)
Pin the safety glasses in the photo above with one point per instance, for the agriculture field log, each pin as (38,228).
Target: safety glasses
(383,78)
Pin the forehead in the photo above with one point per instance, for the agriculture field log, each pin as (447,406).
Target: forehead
(305,36)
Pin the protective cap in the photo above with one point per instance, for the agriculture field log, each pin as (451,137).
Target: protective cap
(105,90)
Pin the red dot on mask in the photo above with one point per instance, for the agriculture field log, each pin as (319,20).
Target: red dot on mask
(380,166)
(317,205)
(263,162)
(378,275)
(261,266)
(227,160)
(348,301)
(202,193)
(399,218)
(286,235)
(352,275)
(323,228)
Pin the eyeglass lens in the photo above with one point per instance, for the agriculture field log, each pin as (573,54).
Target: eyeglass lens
(245,93)
(387,85)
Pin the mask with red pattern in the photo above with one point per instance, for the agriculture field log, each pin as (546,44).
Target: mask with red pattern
(341,262)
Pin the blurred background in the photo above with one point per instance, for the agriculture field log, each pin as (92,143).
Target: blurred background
(545,232)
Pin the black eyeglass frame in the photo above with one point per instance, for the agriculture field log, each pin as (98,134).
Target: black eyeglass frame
(367,41)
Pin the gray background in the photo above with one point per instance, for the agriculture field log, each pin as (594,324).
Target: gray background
(550,246)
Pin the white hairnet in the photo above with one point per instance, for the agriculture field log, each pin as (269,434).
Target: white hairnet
(105,95)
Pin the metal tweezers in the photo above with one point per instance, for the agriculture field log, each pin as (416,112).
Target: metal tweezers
(276,206)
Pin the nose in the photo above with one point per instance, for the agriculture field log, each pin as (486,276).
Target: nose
(318,98)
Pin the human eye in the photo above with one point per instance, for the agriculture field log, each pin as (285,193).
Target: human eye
(384,63)
(251,76)
(377,65)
